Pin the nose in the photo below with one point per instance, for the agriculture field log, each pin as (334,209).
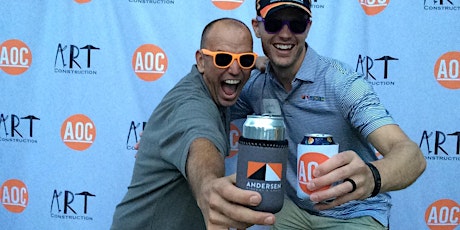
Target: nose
(285,31)
(234,68)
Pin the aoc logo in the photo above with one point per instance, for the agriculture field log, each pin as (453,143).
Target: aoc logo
(306,164)
(376,71)
(78,132)
(134,134)
(235,134)
(442,146)
(72,59)
(443,215)
(71,206)
(373,7)
(17,128)
(227,4)
(441,4)
(149,62)
(447,70)
(15,57)
(82,1)
(15,195)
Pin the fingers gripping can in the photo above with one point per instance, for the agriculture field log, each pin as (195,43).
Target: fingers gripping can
(262,157)
(313,150)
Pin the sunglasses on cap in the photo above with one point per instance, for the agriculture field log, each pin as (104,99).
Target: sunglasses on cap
(273,25)
(225,59)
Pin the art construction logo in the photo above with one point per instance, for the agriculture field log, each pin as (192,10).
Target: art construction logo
(149,62)
(78,132)
(373,7)
(376,70)
(440,145)
(453,5)
(15,57)
(18,129)
(73,59)
(307,162)
(152,1)
(15,195)
(71,206)
(227,4)
(447,70)
(443,215)
(134,134)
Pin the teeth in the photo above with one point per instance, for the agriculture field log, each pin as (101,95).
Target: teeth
(283,47)
(232,82)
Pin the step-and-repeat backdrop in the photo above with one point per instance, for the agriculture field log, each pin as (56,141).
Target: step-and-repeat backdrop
(79,79)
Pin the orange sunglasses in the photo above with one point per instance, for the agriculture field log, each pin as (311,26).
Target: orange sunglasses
(225,59)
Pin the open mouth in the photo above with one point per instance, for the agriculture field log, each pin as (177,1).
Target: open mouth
(230,86)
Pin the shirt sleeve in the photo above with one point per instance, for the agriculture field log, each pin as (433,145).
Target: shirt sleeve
(191,120)
(360,104)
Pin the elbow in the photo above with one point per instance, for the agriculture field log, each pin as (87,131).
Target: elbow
(422,164)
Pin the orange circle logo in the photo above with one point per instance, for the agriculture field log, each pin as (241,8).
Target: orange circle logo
(78,132)
(15,57)
(82,1)
(373,7)
(447,70)
(149,62)
(15,196)
(307,163)
(235,134)
(443,215)
(227,4)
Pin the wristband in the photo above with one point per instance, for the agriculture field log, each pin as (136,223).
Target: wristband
(377,179)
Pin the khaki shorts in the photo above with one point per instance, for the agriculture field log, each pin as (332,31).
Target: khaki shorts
(292,217)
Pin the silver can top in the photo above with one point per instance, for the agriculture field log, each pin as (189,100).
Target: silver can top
(264,127)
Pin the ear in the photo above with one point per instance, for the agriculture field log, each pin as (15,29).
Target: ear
(309,26)
(255,27)
(199,61)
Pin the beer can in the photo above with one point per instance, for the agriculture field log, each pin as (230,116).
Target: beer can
(313,150)
(262,159)
(317,139)
(264,127)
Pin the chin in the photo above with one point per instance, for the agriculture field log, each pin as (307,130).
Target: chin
(227,103)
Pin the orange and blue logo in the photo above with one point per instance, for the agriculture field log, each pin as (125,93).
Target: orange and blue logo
(443,214)
(447,70)
(227,4)
(374,7)
(264,171)
(78,132)
(149,62)
(306,164)
(235,135)
(14,195)
(15,57)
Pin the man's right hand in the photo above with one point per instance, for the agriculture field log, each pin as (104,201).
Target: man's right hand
(224,205)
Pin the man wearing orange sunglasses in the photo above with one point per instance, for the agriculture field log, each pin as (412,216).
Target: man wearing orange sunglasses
(178,179)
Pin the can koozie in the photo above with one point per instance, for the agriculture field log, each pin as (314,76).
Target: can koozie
(308,158)
(261,167)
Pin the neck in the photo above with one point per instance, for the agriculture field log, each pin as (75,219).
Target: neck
(285,77)
(286,74)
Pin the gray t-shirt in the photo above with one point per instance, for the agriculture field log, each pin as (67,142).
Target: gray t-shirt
(326,97)
(159,196)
